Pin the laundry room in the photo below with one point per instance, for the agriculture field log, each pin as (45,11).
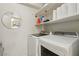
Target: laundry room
(39,29)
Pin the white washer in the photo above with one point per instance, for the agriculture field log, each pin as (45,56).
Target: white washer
(60,45)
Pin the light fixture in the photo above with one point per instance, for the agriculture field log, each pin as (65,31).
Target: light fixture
(11,20)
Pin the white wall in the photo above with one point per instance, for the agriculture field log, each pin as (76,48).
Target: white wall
(15,41)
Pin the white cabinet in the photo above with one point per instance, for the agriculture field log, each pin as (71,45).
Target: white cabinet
(32,46)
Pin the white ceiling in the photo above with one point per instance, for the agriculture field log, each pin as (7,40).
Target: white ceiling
(33,5)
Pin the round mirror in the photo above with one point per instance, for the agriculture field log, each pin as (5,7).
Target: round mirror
(11,20)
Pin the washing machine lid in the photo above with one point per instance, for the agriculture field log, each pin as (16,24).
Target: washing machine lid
(59,40)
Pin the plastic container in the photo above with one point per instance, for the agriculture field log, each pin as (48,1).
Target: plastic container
(72,9)
(77,8)
(64,10)
(38,21)
(42,18)
(59,13)
(54,14)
